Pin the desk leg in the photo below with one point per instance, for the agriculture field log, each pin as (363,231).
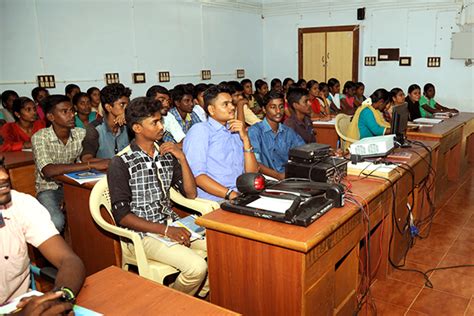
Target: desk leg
(454,162)
(470,148)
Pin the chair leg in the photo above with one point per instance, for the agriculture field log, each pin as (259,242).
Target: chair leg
(125,266)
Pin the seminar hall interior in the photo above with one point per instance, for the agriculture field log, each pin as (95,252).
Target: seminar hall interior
(398,235)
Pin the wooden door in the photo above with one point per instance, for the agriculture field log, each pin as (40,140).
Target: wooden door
(327,52)
(339,56)
(314,56)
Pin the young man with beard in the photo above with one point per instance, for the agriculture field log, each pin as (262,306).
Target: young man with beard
(56,149)
(219,150)
(272,140)
(139,181)
(23,220)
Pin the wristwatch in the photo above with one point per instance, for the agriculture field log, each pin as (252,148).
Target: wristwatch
(227,195)
(68,294)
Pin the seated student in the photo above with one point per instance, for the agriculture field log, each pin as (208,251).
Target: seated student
(322,97)
(287,83)
(428,105)
(71,90)
(139,180)
(56,149)
(182,112)
(173,130)
(219,150)
(261,88)
(248,94)
(6,110)
(107,136)
(334,99)
(243,112)
(347,98)
(397,97)
(313,90)
(94,95)
(368,120)
(300,120)
(84,115)
(17,136)
(275,84)
(301,83)
(272,140)
(39,94)
(199,101)
(359,94)
(24,220)
(413,101)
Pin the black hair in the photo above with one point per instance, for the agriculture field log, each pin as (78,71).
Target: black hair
(78,96)
(427,87)
(299,83)
(7,94)
(211,94)
(348,85)
(333,82)
(359,84)
(200,87)
(91,90)
(139,109)
(234,86)
(49,103)
(19,104)
(259,84)
(179,91)
(36,91)
(285,82)
(245,81)
(294,95)
(274,82)
(71,87)
(113,92)
(154,90)
(272,95)
(190,86)
(380,94)
(311,83)
(323,85)
(413,87)
(394,92)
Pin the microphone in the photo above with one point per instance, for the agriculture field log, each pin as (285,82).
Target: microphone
(250,183)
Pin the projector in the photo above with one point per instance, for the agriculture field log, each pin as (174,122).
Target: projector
(370,147)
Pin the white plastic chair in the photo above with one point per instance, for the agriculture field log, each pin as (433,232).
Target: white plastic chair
(342,125)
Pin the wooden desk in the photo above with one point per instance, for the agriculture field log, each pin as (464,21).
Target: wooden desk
(21,168)
(449,134)
(325,133)
(91,243)
(261,267)
(467,146)
(116,292)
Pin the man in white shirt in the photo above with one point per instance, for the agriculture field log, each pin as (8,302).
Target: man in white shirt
(24,220)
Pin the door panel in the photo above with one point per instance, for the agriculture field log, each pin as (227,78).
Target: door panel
(339,56)
(314,56)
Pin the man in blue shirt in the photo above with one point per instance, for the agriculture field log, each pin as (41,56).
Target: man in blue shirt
(272,140)
(107,136)
(219,150)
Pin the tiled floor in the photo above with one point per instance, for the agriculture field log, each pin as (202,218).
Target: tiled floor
(451,242)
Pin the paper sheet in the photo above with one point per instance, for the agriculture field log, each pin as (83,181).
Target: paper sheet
(271,204)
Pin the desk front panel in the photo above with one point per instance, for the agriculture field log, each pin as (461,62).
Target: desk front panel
(326,134)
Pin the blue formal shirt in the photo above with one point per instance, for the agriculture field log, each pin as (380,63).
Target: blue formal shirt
(368,126)
(271,149)
(213,150)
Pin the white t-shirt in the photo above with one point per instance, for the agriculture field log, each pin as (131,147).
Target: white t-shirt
(172,126)
(26,221)
(200,112)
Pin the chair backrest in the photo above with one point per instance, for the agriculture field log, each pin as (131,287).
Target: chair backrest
(100,197)
(342,125)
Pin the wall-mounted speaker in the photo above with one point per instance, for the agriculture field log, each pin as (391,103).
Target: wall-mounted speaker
(361,14)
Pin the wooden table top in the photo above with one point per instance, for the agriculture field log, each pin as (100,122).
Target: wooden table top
(14,159)
(295,237)
(113,291)
(64,179)
(442,129)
